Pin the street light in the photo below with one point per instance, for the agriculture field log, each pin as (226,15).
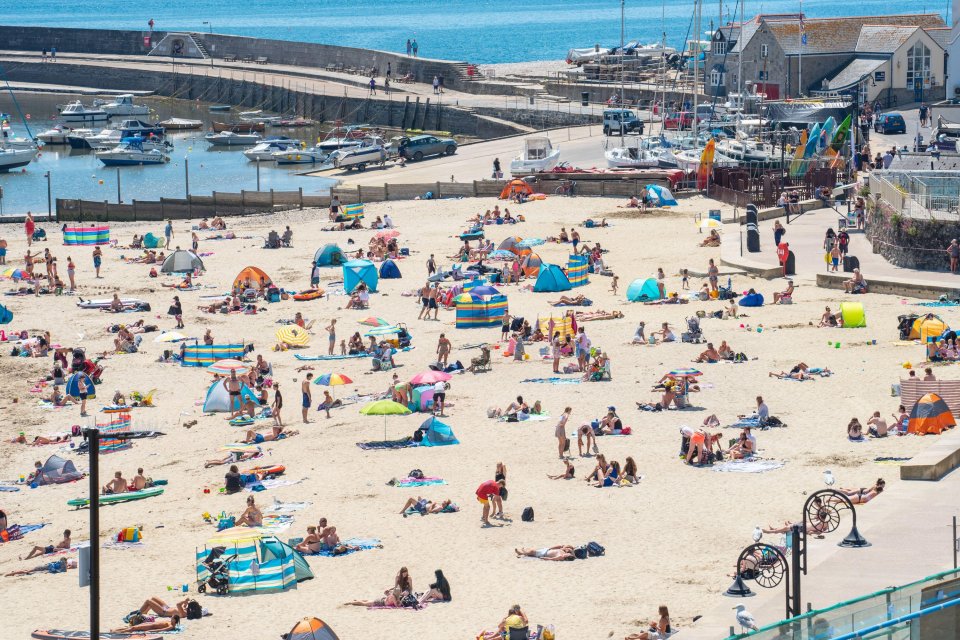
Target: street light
(209,26)
(49,198)
(768,567)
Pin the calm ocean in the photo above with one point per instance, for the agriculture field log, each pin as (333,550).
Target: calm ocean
(480,31)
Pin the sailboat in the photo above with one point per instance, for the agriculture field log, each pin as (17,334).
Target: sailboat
(21,153)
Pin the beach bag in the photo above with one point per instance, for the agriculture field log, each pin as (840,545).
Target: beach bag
(595,549)
(416,473)
(194,610)
(527,515)
(134,617)
(129,534)
(409,601)
(580,553)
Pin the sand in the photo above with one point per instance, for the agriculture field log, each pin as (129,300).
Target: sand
(670,540)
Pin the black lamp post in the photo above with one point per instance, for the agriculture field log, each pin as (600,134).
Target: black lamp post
(768,567)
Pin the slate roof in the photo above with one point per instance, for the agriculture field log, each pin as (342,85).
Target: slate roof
(853,72)
(875,38)
(839,35)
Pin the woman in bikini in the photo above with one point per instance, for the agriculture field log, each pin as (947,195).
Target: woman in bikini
(864,495)
(251,516)
(561,431)
(159,625)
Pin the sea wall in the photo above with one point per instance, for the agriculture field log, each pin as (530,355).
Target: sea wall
(399,111)
(908,242)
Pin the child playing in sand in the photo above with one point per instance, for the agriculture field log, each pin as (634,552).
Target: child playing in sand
(613,284)
(686,279)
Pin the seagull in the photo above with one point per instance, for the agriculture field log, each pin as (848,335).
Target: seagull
(757,534)
(828,478)
(745,618)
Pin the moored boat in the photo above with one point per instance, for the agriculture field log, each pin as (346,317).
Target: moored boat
(231,139)
(131,153)
(76,112)
(16,158)
(180,124)
(238,127)
(538,155)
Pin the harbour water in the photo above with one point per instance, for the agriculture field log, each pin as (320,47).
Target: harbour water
(483,31)
(80,175)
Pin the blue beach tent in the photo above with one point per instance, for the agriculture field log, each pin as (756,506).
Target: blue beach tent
(660,196)
(551,278)
(6,316)
(72,387)
(357,271)
(389,270)
(641,290)
(437,434)
(218,398)
(329,256)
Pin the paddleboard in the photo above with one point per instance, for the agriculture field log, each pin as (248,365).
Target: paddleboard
(104,303)
(118,497)
(61,634)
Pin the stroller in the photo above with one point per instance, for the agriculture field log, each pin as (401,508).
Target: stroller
(403,336)
(693,332)
(218,565)
(727,292)
(905,325)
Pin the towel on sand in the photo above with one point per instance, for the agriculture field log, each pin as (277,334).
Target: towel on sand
(418,482)
(750,465)
(23,530)
(554,380)
(387,444)
(353,545)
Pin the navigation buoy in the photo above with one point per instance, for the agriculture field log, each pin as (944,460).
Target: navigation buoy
(100,182)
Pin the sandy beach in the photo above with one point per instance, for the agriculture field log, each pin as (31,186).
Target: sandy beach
(671,539)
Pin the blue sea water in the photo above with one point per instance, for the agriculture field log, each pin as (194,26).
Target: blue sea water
(479,31)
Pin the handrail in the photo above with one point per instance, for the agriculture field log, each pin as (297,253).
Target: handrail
(856,635)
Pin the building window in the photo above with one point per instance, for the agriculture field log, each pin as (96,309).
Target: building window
(761,75)
(879,76)
(764,50)
(719,47)
(716,77)
(918,66)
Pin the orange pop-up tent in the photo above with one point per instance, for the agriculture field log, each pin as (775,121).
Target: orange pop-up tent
(930,414)
(513,188)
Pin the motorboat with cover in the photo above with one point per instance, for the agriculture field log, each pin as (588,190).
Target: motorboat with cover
(538,155)
(131,153)
(231,139)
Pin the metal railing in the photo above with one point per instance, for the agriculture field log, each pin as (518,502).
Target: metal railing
(926,195)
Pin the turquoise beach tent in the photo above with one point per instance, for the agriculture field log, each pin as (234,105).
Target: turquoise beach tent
(72,387)
(551,279)
(660,196)
(218,398)
(437,434)
(151,241)
(357,271)
(329,256)
(6,316)
(641,290)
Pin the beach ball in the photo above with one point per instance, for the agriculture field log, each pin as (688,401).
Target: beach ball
(907,365)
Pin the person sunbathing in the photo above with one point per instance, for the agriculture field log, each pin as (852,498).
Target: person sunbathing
(786,293)
(600,470)
(41,440)
(277,433)
(234,457)
(391,599)
(745,447)
(160,608)
(816,527)
(425,507)
(311,543)
(599,314)
(158,625)
(713,240)
(800,371)
(117,485)
(854,430)
(573,302)
(666,333)
(560,552)
(731,311)
(568,473)
(725,351)
(51,548)
(673,298)
(251,516)
(659,628)
(864,495)
(611,423)
(709,355)
(61,565)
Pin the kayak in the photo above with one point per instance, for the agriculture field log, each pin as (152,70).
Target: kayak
(264,472)
(61,634)
(308,294)
(112,498)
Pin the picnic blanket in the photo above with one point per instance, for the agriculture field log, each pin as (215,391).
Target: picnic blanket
(342,357)
(938,303)
(387,444)
(554,380)
(354,545)
(418,482)
(531,417)
(113,544)
(748,465)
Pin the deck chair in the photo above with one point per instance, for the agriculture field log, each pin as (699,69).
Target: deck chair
(482,363)
(519,634)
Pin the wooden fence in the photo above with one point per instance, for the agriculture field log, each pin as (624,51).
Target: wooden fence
(254,202)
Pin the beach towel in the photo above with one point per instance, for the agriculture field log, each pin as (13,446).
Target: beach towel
(531,417)
(7,487)
(339,357)
(274,483)
(286,507)
(938,303)
(22,530)
(749,465)
(362,544)
(554,380)
(113,544)
(418,482)
(387,444)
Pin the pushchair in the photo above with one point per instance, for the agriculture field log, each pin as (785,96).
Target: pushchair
(727,292)
(905,325)
(218,565)
(693,332)
(403,336)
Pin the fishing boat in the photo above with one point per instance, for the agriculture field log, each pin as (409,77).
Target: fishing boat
(264,150)
(238,127)
(56,135)
(343,136)
(538,155)
(123,105)
(180,124)
(131,153)
(310,155)
(140,128)
(231,139)
(294,122)
(371,151)
(16,158)
(76,112)
(633,156)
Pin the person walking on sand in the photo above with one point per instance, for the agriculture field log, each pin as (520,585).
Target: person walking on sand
(332,336)
(307,398)
(555,345)
(443,350)
(713,274)
(29,226)
(431,266)
(277,405)
(97,260)
(168,233)
(561,432)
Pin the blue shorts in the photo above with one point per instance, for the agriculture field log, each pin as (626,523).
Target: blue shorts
(306,401)
(96,261)
(3,251)
(258,438)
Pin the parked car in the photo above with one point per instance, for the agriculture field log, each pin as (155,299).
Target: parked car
(419,147)
(630,122)
(682,120)
(890,123)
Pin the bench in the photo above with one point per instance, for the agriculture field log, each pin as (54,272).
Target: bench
(262,60)
(230,57)
(247,59)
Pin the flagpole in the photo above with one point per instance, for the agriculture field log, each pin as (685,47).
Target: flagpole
(800,58)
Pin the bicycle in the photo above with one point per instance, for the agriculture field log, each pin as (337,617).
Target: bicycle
(566,188)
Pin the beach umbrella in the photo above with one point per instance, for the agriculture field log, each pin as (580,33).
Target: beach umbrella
(293,335)
(684,372)
(385,408)
(466,298)
(531,242)
(170,336)
(501,254)
(333,380)
(374,322)
(13,272)
(383,331)
(227,366)
(710,223)
(387,234)
(484,290)
(430,377)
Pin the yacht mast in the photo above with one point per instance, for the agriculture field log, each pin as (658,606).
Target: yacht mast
(696,66)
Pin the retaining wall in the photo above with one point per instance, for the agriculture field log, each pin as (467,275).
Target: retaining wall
(909,242)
